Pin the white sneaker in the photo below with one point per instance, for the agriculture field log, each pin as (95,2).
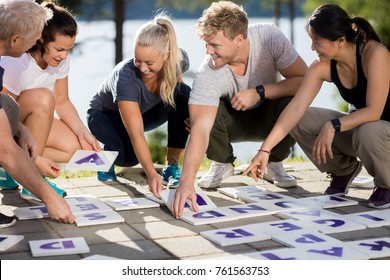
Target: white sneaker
(276,174)
(217,172)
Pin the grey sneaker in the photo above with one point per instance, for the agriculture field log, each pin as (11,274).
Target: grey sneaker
(340,184)
(217,172)
(276,174)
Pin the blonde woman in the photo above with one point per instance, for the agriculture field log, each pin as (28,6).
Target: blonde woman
(139,95)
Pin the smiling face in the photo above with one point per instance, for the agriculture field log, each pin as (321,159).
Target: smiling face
(325,49)
(149,61)
(221,49)
(58,50)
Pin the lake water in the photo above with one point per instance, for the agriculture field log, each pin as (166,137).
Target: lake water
(93,59)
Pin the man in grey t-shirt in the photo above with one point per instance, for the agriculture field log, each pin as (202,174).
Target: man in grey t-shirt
(236,96)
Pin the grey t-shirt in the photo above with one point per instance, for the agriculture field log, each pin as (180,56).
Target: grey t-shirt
(124,83)
(269,51)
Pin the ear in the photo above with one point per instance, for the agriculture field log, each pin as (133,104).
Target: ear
(342,41)
(239,39)
(14,40)
(166,56)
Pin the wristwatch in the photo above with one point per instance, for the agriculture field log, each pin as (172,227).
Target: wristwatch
(336,124)
(261,91)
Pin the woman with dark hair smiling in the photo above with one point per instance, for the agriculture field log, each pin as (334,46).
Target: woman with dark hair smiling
(38,81)
(351,56)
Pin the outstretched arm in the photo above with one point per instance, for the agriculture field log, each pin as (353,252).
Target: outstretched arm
(289,117)
(68,114)
(24,171)
(201,120)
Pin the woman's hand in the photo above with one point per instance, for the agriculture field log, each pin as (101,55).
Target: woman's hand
(88,141)
(46,167)
(323,144)
(258,165)
(155,184)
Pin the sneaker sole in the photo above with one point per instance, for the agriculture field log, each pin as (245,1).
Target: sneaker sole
(385,206)
(27,197)
(357,171)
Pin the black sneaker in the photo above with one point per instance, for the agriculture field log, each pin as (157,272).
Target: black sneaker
(6,221)
(339,184)
(380,198)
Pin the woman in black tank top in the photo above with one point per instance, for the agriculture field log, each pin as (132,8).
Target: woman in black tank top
(351,56)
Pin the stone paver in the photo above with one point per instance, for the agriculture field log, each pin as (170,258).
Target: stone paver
(153,233)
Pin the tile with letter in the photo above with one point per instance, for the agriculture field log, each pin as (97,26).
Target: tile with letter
(130,203)
(263,196)
(88,207)
(331,225)
(98,218)
(203,201)
(248,210)
(235,235)
(371,219)
(328,201)
(323,252)
(210,216)
(31,212)
(91,160)
(7,241)
(304,239)
(235,192)
(308,214)
(100,257)
(378,247)
(58,247)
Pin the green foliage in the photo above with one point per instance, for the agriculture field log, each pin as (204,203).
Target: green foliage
(376,11)
(157,141)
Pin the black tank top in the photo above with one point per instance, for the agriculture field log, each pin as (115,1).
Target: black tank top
(357,95)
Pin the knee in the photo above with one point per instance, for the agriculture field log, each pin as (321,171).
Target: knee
(39,101)
(369,136)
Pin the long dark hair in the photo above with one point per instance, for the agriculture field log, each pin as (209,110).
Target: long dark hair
(62,23)
(331,22)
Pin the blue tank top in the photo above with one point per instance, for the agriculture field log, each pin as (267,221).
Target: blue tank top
(357,95)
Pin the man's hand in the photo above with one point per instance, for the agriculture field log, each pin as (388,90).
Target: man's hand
(26,141)
(155,184)
(59,210)
(245,99)
(183,193)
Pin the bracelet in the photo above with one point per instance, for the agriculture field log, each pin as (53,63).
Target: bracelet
(264,151)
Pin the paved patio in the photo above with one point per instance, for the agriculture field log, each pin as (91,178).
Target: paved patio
(153,234)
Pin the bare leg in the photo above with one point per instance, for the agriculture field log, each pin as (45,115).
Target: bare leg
(62,142)
(173,155)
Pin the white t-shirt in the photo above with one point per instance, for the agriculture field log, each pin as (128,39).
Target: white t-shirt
(269,51)
(22,73)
